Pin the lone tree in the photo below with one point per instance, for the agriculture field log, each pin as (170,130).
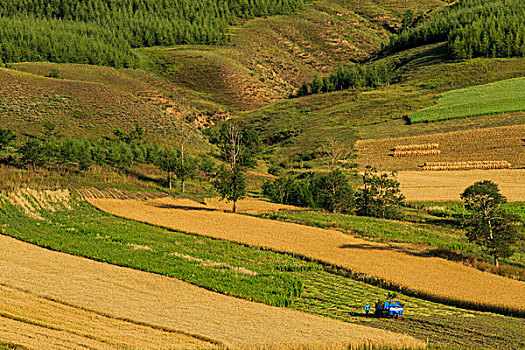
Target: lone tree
(488,224)
(335,192)
(380,196)
(238,149)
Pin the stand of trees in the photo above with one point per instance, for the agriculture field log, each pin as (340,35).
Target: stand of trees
(350,77)
(104,31)
(473,28)
(379,197)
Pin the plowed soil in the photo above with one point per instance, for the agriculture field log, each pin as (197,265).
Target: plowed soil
(431,276)
(50,300)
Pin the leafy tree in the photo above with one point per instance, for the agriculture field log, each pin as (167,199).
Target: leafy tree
(238,148)
(33,152)
(488,224)
(185,168)
(380,196)
(6,137)
(167,161)
(231,185)
(335,192)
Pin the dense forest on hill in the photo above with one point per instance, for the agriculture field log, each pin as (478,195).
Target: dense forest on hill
(473,28)
(104,31)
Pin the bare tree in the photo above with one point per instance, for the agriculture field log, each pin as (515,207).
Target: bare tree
(335,152)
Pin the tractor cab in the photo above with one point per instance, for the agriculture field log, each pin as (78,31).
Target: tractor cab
(389,308)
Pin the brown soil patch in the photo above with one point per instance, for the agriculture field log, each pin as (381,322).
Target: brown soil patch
(54,301)
(448,185)
(504,143)
(432,276)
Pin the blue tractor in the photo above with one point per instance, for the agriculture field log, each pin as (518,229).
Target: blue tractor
(389,308)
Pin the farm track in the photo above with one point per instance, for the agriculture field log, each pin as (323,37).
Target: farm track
(56,301)
(431,277)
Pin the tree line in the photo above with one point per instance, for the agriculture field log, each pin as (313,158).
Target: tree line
(104,31)
(350,77)
(472,28)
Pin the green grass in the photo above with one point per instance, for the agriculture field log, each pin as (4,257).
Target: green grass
(496,98)
(280,279)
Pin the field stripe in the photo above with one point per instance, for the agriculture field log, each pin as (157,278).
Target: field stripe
(444,280)
(165,303)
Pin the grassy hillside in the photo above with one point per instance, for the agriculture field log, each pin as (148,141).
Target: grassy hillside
(269,58)
(237,270)
(496,98)
(301,125)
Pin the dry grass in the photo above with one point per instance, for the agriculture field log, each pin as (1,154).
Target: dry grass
(428,152)
(495,144)
(54,301)
(425,146)
(484,164)
(447,186)
(430,276)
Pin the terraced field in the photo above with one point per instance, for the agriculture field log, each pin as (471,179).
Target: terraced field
(425,276)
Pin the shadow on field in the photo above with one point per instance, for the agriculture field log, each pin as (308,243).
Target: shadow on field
(380,248)
(181,207)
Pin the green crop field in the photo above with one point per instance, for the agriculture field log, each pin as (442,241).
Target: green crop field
(500,97)
(76,228)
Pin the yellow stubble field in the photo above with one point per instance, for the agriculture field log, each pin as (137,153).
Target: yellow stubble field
(50,300)
(431,276)
(505,143)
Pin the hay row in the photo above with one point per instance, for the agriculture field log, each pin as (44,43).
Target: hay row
(429,152)
(486,164)
(425,146)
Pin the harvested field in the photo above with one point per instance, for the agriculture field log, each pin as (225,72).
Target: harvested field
(54,301)
(426,146)
(448,185)
(504,143)
(485,164)
(418,153)
(430,277)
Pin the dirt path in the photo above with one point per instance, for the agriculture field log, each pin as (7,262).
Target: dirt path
(51,300)
(431,276)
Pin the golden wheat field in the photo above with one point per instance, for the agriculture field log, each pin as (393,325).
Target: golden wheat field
(504,143)
(448,185)
(50,300)
(431,276)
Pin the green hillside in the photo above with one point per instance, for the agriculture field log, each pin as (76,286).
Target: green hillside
(500,97)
